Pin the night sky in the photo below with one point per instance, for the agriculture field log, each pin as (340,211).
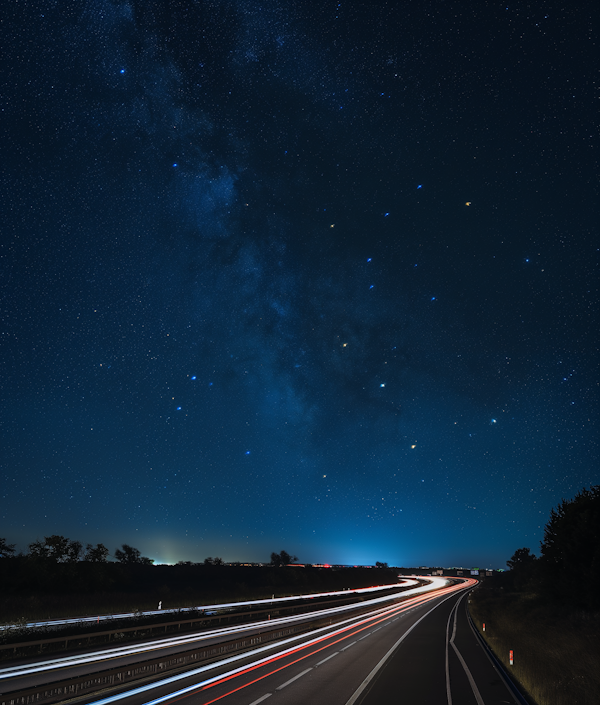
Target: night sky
(314,276)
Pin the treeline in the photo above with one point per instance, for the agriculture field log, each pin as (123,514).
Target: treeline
(568,567)
(60,549)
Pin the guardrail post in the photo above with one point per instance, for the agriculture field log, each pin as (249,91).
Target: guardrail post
(510,657)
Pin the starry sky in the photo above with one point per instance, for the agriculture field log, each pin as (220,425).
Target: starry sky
(319,276)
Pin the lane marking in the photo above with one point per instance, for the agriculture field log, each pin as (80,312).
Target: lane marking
(291,680)
(376,630)
(203,685)
(474,688)
(364,637)
(363,686)
(335,653)
(347,647)
(448,690)
(260,700)
(96,656)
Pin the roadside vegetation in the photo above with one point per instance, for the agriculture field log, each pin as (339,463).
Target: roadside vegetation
(58,578)
(546,609)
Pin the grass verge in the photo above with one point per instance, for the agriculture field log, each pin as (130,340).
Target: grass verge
(556,649)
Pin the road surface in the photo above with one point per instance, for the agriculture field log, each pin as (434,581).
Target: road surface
(421,650)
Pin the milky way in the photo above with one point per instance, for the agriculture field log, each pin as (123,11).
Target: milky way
(244,306)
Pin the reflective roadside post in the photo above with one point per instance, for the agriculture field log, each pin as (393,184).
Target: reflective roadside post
(510,657)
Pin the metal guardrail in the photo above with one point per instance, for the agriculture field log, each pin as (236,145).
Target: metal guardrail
(510,684)
(147,629)
(147,670)
(113,679)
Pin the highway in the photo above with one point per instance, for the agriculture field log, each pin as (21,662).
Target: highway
(32,674)
(419,650)
(205,608)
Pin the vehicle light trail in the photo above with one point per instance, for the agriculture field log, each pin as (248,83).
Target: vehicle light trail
(95,656)
(203,608)
(345,632)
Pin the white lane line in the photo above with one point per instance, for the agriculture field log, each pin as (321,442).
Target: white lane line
(395,620)
(474,688)
(364,637)
(260,700)
(448,689)
(361,689)
(291,680)
(375,630)
(327,659)
(347,647)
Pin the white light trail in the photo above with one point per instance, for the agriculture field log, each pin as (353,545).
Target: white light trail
(95,656)
(202,608)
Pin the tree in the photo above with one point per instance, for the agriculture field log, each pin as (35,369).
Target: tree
(96,554)
(381,565)
(6,549)
(571,549)
(213,561)
(522,566)
(56,548)
(129,554)
(520,558)
(283,558)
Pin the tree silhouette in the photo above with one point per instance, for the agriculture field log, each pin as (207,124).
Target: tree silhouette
(213,561)
(56,548)
(96,554)
(6,549)
(522,566)
(129,554)
(283,558)
(571,549)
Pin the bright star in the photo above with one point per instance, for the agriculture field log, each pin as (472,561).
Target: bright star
(420,186)
(382,385)
(194,377)
(178,408)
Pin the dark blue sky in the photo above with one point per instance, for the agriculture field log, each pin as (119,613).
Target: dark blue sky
(314,276)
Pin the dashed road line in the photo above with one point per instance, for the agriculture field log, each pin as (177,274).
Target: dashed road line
(348,646)
(291,680)
(335,653)
(260,700)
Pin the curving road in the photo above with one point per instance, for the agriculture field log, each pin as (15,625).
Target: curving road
(420,650)
(38,673)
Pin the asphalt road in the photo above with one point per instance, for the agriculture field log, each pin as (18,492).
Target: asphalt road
(423,653)
(32,673)
(422,650)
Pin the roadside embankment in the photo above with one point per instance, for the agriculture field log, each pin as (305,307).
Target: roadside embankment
(556,648)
